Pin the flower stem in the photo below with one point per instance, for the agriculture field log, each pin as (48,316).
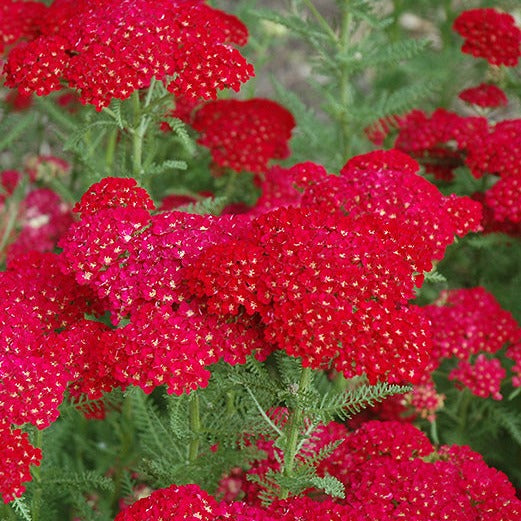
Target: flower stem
(463,408)
(110,150)
(345,95)
(434,432)
(141,123)
(36,472)
(295,422)
(195,426)
(320,19)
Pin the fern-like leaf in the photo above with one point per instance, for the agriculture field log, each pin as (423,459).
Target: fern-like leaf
(180,130)
(207,206)
(14,127)
(165,166)
(21,508)
(345,405)
(329,484)
(82,482)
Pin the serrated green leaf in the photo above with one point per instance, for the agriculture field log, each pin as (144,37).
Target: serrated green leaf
(21,508)
(13,127)
(330,485)
(180,130)
(207,206)
(170,164)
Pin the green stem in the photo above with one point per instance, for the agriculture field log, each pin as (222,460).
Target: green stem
(263,414)
(320,19)
(62,190)
(230,403)
(141,122)
(229,189)
(343,43)
(127,445)
(195,426)
(137,137)
(434,432)
(110,150)
(37,477)
(295,422)
(463,408)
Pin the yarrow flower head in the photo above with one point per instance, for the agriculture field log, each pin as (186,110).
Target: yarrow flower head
(110,49)
(490,34)
(114,192)
(317,281)
(470,321)
(244,135)
(484,95)
(439,141)
(328,278)
(425,400)
(391,471)
(483,377)
(385,185)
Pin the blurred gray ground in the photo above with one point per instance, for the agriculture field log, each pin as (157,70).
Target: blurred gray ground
(288,58)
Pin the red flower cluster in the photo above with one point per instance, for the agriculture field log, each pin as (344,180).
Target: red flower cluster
(469,321)
(37,299)
(110,49)
(244,135)
(483,377)
(277,190)
(439,141)
(20,19)
(445,141)
(328,285)
(466,323)
(490,34)
(17,455)
(484,95)
(384,184)
(425,400)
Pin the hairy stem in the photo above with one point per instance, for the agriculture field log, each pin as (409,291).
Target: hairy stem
(36,472)
(320,19)
(345,94)
(137,137)
(195,426)
(110,149)
(295,421)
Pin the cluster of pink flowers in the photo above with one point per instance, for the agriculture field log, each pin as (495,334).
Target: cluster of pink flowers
(470,325)
(108,50)
(41,215)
